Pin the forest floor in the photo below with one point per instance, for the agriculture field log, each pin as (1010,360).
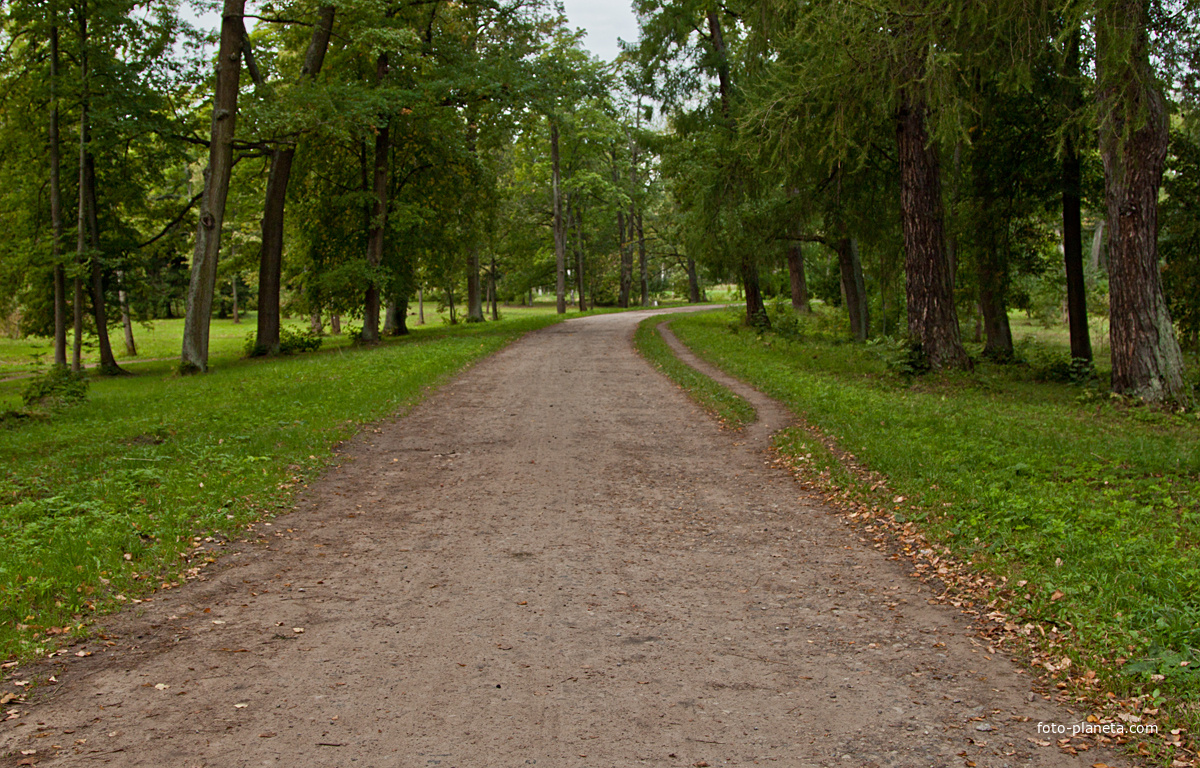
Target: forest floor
(557,559)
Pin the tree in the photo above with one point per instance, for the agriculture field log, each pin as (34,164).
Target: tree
(216,189)
(1146,358)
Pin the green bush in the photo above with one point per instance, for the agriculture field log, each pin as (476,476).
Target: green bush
(291,342)
(58,387)
(1049,364)
(902,356)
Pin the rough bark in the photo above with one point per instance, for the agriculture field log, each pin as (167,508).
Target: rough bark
(929,283)
(643,264)
(853,287)
(992,275)
(474,285)
(56,213)
(693,282)
(127,319)
(379,204)
(202,284)
(799,282)
(492,290)
(1146,359)
(77,325)
(88,241)
(560,234)
(1072,180)
(271,259)
(395,322)
(579,278)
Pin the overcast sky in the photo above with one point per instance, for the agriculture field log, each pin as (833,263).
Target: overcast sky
(605,21)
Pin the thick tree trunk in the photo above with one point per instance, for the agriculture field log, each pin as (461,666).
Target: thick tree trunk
(643,262)
(315,324)
(853,287)
(1146,359)
(799,282)
(271,259)
(560,233)
(335,323)
(379,205)
(108,361)
(474,285)
(579,278)
(56,213)
(395,322)
(1077,319)
(693,282)
(88,221)
(756,310)
(492,290)
(992,274)
(625,249)
(233,287)
(216,189)
(77,325)
(127,319)
(1072,182)
(929,283)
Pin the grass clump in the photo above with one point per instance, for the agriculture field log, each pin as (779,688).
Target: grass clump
(728,408)
(97,504)
(1092,507)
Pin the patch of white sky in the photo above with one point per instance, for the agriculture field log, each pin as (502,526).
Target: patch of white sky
(605,22)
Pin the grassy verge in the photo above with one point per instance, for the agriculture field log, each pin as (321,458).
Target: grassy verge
(1086,510)
(728,408)
(98,502)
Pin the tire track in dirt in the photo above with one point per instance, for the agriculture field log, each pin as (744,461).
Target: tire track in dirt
(555,560)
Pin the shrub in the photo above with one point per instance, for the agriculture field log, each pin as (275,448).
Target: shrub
(58,387)
(291,342)
(1049,364)
(903,356)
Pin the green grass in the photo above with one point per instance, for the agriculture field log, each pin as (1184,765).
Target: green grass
(1036,482)
(727,407)
(97,503)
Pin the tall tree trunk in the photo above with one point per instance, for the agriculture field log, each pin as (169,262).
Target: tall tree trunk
(233,284)
(271,260)
(127,319)
(693,282)
(624,246)
(420,305)
(1146,359)
(203,282)
(1098,258)
(799,282)
(929,283)
(77,325)
(992,275)
(379,204)
(560,234)
(579,278)
(395,322)
(492,290)
(89,226)
(56,213)
(853,287)
(474,284)
(643,262)
(1072,182)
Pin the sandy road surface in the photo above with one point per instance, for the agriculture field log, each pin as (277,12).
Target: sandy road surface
(557,560)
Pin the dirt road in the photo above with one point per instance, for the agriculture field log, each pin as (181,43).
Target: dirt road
(556,560)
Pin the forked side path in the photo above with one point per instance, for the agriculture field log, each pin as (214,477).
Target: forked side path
(557,560)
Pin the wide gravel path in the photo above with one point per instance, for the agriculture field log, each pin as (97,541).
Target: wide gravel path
(556,560)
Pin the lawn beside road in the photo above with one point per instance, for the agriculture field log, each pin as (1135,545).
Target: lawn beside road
(98,502)
(1088,506)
